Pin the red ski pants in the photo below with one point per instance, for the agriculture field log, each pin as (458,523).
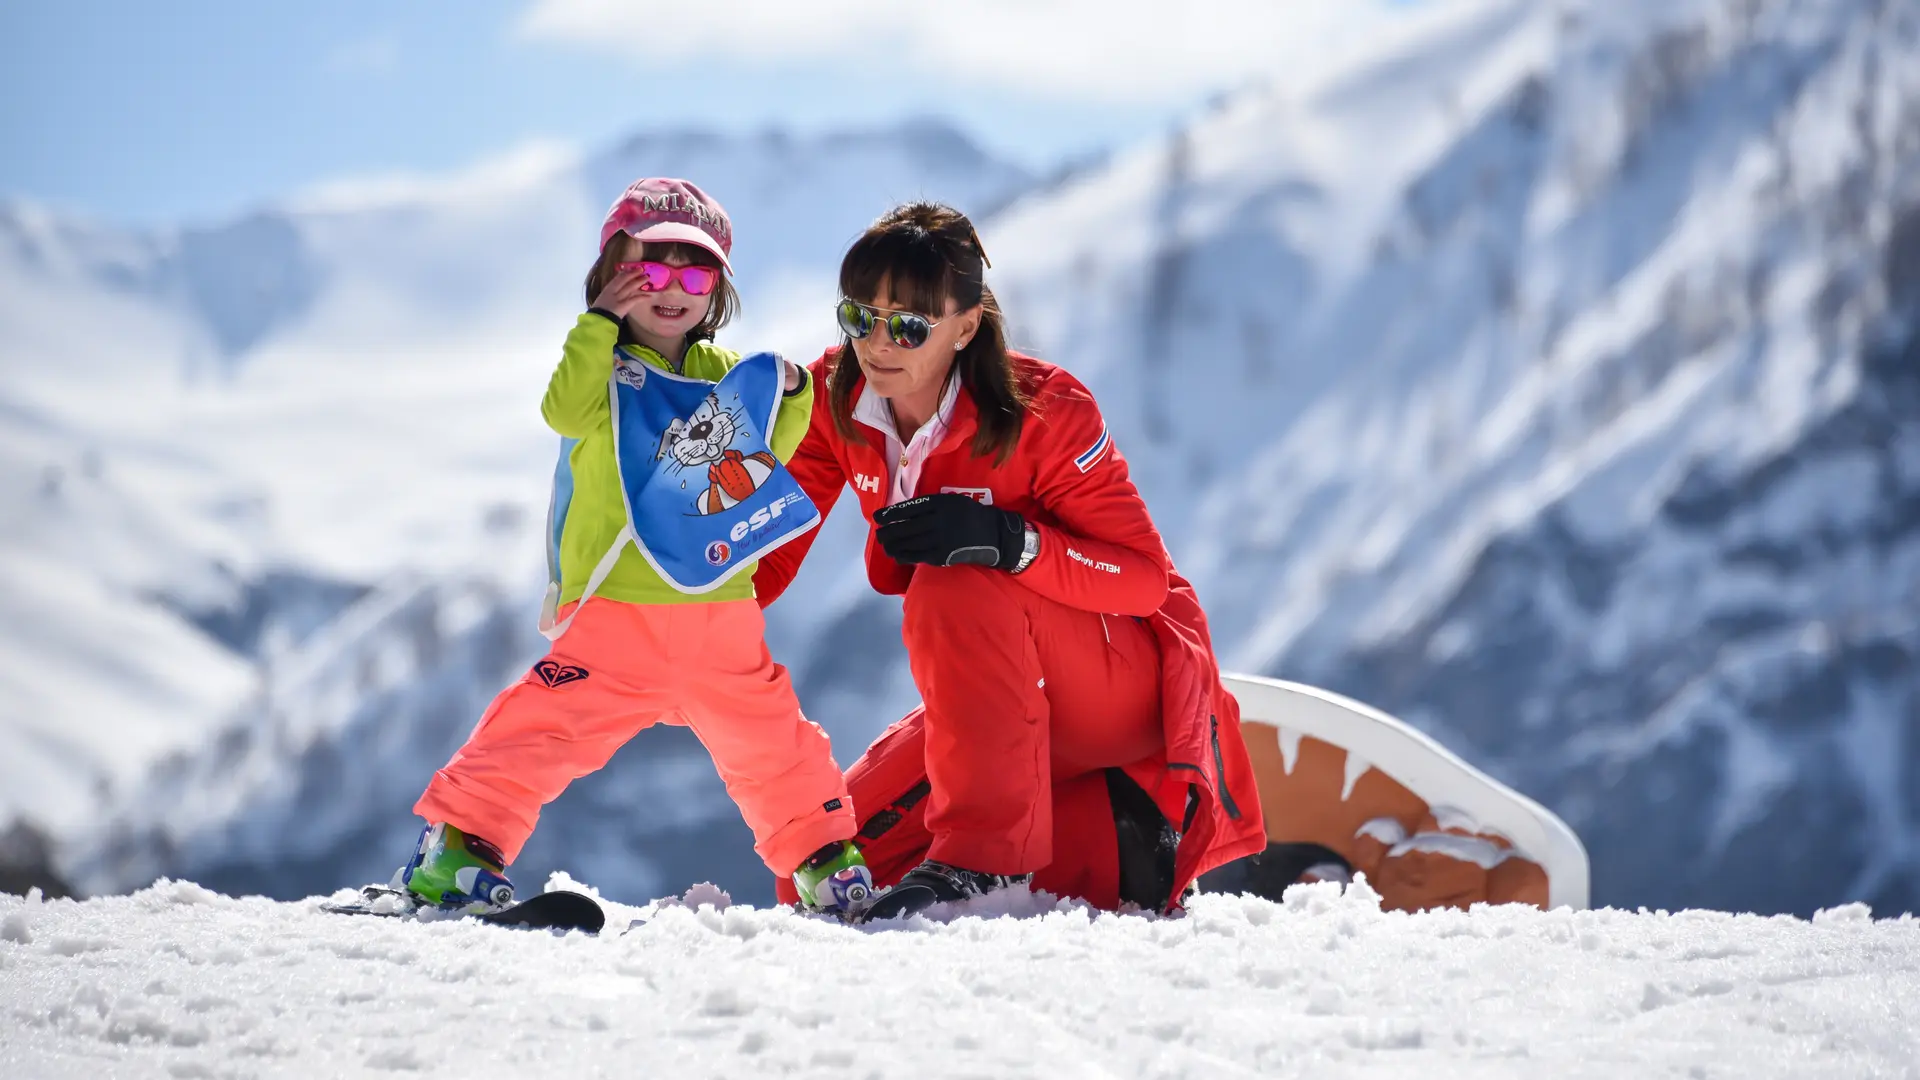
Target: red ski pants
(1025,703)
(621,668)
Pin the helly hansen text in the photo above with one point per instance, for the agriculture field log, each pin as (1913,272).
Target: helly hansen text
(1084,561)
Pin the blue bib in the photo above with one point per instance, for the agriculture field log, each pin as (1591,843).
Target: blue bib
(705,497)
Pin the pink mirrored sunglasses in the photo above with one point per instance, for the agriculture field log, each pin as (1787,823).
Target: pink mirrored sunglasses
(655,276)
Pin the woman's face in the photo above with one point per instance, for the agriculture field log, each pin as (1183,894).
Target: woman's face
(671,312)
(896,372)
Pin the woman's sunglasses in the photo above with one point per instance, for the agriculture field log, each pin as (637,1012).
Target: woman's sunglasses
(695,280)
(909,331)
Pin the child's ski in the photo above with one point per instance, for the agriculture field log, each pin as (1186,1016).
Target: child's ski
(547,911)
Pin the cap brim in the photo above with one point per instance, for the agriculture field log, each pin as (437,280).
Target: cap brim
(677,232)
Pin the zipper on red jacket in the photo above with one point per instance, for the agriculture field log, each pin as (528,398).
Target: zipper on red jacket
(1220,770)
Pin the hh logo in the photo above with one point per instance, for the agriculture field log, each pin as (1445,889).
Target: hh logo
(558,675)
(869,484)
(983,496)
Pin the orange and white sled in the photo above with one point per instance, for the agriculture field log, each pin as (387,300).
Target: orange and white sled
(1427,829)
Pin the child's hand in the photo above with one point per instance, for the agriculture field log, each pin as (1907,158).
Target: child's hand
(794,376)
(622,296)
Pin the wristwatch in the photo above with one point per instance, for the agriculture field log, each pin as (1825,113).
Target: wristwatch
(1029,548)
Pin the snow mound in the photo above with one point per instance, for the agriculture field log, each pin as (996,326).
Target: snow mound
(177,980)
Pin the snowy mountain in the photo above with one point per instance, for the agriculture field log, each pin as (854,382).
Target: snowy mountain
(273,493)
(1542,373)
(1552,379)
(179,981)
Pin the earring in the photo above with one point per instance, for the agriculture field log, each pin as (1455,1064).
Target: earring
(958,345)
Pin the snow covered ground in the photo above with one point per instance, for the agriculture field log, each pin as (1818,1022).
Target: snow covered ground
(1542,374)
(178,981)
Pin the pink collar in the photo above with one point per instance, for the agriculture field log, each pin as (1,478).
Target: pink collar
(905,462)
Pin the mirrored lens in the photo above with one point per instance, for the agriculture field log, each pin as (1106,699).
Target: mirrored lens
(908,331)
(653,275)
(854,319)
(698,280)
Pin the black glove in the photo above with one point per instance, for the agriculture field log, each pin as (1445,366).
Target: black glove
(948,530)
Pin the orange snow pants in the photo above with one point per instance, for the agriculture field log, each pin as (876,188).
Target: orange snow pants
(1027,704)
(620,669)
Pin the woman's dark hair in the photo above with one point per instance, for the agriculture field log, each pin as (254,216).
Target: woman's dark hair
(928,254)
(725,300)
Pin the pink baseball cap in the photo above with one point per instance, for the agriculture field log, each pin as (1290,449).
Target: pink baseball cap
(666,209)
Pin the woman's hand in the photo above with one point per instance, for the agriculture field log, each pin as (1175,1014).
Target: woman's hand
(950,530)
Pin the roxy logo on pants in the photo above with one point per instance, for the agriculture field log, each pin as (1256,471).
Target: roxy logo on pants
(558,675)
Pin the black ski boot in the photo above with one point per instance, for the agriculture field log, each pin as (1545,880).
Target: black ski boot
(934,882)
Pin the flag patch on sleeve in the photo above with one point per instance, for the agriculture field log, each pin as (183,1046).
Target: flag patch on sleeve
(1092,455)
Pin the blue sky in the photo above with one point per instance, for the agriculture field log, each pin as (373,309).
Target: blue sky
(135,111)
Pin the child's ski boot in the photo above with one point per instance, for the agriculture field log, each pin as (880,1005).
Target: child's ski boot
(835,881)
(452,870)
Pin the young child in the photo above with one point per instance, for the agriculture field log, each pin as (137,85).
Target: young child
(638,644)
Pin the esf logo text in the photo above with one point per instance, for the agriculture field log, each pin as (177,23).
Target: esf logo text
(762,517)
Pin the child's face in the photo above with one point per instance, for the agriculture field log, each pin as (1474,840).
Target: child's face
(671,312)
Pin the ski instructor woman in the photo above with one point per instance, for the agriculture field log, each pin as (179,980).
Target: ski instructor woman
(1073,731)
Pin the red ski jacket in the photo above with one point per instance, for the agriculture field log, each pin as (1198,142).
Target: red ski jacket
(1099,551)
